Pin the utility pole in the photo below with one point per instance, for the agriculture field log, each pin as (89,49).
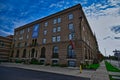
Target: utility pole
(117,54)
(105,52)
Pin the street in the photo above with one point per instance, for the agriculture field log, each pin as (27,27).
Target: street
(12,73)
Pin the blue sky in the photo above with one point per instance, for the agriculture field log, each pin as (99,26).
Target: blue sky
(103,17)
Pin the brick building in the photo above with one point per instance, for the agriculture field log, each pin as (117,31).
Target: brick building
(5,46)
(63,38)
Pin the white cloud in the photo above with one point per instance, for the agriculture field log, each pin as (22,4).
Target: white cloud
(5,33)
(102,18)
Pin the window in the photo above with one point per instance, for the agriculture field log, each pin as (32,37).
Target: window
(22,31)
(24,53)
(53,39)
(32,52)
(21,38)
(55,52)
(46,23)
(71,27)
(16,33)
(45,32)
(12,53)
(71,63)
(2,44)
(42,52)
(59,20)
(54,62)
(28,29)
(44,41)
(54,21)
(58,38)
(58,29)
(71,36)
(70,16)
(17,54)
(54,30)
(55,49)
(27,36)
(70,51)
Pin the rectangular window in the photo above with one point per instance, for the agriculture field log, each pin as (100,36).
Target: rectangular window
(58,29)
(44,41)
(53,39)
(54,21)
(21,38)
(71,36)
(27,36)
(71,27)
(70,16)
(54,30)
(45,32)
(59,20)
(46,23)
(58,38)
(54,62)
(16,33)
(28,29)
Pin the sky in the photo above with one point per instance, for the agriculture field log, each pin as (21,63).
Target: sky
(102,15)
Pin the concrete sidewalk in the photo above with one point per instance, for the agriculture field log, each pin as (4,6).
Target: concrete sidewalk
(59,70)
(101,73)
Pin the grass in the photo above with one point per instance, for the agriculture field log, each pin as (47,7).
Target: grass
(93,66)
(111,67)
(110,76)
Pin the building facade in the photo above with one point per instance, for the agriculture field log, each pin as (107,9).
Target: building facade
(63,38)
(5,47)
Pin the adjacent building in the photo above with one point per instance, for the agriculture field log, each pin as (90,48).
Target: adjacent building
(63,38)
(5,46)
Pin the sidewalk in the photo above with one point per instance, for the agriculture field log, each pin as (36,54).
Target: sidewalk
(59,70)
(101,73)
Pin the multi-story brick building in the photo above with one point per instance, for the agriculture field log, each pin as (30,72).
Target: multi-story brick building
(5,46)
(61,38)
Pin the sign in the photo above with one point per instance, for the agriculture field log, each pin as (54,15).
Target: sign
(35,31)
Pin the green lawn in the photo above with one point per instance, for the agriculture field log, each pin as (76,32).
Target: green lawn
(110,76)
(93,66)
(111,68)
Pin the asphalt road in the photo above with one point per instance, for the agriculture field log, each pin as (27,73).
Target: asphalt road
(11,73)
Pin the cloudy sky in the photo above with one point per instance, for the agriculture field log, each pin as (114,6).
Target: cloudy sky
(103,17)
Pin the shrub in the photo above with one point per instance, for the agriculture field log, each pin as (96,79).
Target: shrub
(34,61)
(55,65)
(47,64)
(18,61)
(63,65)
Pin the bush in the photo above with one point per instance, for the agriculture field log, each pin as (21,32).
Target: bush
(18,61)
(55,65)
(93,66)
(34,61)
(47,64)
(63,65)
